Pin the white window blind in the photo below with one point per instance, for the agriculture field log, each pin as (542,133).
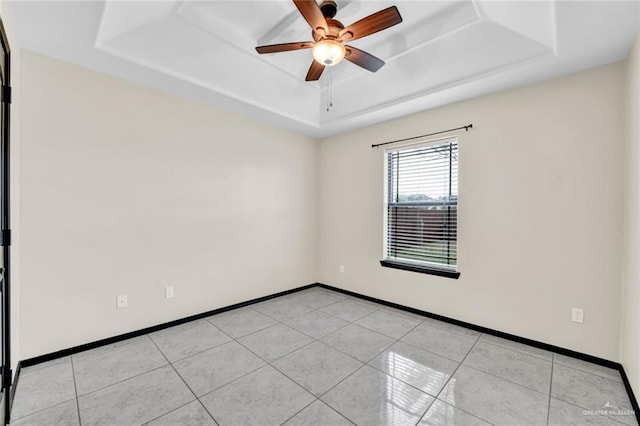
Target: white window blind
(422,204)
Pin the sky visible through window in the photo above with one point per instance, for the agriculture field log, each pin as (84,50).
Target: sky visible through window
(422,174)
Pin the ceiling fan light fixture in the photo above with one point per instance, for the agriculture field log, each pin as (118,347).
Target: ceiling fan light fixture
(328,52)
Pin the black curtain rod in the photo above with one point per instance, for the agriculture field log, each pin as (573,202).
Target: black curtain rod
(466,129)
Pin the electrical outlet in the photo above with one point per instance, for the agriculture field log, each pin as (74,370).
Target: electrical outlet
(121,301)
(577,315)
(168,292)
(341,268)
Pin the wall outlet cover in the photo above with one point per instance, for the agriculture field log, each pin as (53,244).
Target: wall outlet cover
(121,301)
(577,315)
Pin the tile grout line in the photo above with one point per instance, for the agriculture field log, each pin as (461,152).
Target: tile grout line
(270,317)
(236,340)
(358,369)
(519,353)
(450,377)
(183,381)
(266,363)
(295,316)
(41,410)
(126,378)
(459,365)
(502,346)
(338,384)
(75,388)
(393,337)
(613,419)
(168,412)
(122,381)
(351,356)
(336,411)
(181,327)
(478,340)
(427,350)
(434,398)
(281,356)
(315,341)
(506,380)
(317,398)
(599,415)
(300,410)
(312,337)
(234,380)
(450,328)
(589,372)
(458,408)
(323,336)
(321,402)
(38,411)
(245,335)
(349,322)
(318,340)
(270,363)
(208,412)
(195,353)
(563,399)
(198,352)
(138,340)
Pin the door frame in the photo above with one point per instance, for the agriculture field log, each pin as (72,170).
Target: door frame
(5,230)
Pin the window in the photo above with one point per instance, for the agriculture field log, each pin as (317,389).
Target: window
(422,208)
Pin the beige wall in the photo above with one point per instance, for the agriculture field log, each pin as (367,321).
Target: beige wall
(125,190)
(630,337)
(539,212)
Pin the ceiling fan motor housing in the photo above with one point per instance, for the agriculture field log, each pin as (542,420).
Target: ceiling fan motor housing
(334,27)
(329,8)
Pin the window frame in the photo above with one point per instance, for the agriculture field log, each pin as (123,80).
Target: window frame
(407,264)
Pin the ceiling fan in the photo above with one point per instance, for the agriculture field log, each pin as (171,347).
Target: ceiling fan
(329,36)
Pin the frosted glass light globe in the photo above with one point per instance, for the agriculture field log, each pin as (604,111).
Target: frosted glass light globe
(328,52)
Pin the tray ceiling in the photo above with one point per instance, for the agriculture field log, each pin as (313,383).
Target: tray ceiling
(443,51)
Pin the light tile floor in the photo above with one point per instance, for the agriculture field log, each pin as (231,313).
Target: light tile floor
(319,357)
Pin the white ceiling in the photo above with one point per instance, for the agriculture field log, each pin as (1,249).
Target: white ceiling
(443,51)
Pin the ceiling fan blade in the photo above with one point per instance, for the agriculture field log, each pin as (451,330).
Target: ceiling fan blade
(371,24)
(284,47)
(363,59)
(311,12)
(315,71)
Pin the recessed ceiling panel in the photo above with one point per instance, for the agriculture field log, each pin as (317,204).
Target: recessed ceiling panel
(121,17)
(178,48)
(443,51)
(480,50)
(535,20)
(242,22)
(416,31)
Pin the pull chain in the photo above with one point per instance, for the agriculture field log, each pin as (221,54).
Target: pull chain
(330,90)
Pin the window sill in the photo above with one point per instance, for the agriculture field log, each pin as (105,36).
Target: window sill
(420,268)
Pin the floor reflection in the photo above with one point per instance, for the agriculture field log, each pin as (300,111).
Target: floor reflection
(421,376)
(404,405)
